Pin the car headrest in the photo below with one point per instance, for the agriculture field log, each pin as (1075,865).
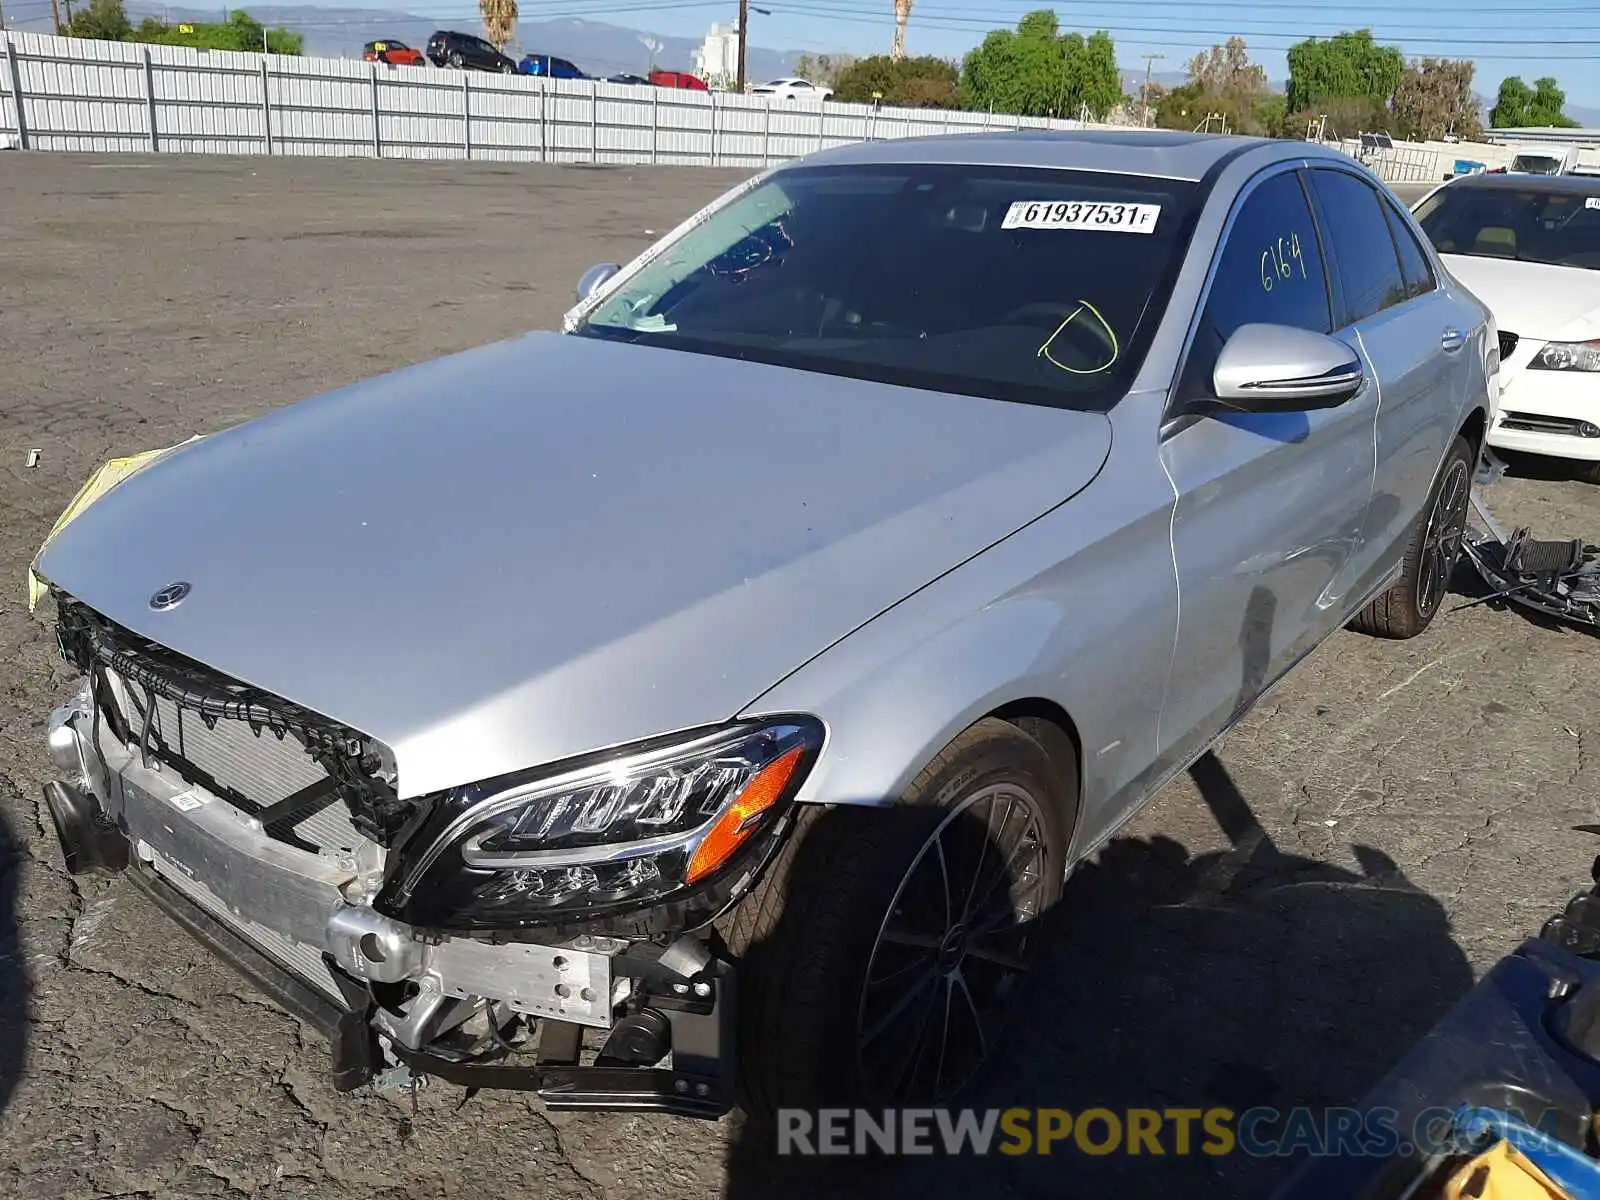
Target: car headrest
(1496,241)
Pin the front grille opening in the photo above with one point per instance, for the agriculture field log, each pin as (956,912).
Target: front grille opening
(311,781)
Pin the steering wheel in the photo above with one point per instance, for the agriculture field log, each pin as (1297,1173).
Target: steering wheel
(1078,323)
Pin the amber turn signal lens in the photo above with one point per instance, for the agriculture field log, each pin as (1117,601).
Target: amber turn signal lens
(738,820)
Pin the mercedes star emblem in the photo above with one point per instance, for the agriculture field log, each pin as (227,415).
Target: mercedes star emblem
(170,596)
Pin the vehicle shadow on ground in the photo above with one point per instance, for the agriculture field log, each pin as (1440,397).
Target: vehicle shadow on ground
(1543,468)
(1237,978)
(13,968)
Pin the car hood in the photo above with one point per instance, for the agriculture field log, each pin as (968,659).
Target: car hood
(1533,300)
(554,545)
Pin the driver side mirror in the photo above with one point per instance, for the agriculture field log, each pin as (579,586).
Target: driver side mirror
(1280,369)
(594,278)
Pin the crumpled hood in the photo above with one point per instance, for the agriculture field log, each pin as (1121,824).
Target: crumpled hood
(1533,300)
(552,545)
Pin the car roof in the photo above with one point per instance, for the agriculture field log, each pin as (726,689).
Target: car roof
(1582,185)
(1159,153)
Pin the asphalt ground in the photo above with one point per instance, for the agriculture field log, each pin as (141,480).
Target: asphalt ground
(1398,815)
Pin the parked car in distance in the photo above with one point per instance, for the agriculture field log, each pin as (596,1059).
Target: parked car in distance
(394,53)
(1544,160)
(1529,247)
(794,637)
(550,67)
(679,79)
(635,80)
(792,89)
(466,51)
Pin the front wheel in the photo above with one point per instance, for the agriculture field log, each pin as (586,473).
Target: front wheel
(882,956)
(1411,604)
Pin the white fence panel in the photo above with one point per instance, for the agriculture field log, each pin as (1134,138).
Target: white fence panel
(77,94)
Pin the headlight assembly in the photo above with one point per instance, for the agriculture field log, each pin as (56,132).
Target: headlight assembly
(1568,356)
(633,829)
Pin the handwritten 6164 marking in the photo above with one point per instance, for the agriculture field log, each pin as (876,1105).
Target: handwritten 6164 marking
(1280,260)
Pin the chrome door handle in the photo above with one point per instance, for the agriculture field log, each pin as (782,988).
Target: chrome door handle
(1453,339)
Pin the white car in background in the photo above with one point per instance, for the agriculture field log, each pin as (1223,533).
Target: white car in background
(1529,248)
(793,89)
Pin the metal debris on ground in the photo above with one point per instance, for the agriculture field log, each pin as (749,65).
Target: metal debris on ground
(1559,579)
(33,457)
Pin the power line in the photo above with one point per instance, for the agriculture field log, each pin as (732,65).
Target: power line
(852,15)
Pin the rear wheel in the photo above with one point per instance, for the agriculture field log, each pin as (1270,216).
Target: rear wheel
(885,951)
(1410,606)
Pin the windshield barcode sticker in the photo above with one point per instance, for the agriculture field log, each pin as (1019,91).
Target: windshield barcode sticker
(1592,202)
(1082,214)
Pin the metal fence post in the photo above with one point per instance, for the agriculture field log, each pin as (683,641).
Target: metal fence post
(714,128)
(544,123)
(594,121)
(16,93)
(377,143)
(150,98)
(466,113)
(655,125)
(266,105)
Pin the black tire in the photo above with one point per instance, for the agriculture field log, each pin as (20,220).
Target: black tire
(1588,472)
(807,935)
(1411,604)
(457,61)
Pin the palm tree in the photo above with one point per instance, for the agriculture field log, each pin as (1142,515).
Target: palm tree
(902,16)
(499,20)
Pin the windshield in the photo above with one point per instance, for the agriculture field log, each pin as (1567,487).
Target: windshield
(1015,283)
(1559,228)
(1536,164)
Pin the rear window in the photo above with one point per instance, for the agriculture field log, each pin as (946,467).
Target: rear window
(1527,224)
(1014,283)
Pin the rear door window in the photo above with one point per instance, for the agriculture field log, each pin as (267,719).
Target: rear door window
(1271,271)
(1369,275)
(1414,268)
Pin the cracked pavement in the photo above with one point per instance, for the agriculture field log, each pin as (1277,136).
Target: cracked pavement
(1276,928)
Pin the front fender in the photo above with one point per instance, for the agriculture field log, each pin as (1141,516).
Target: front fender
(1078,609)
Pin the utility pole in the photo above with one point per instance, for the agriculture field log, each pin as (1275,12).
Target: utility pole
(55,15)
(744,41)
(1144,94)
(2,16)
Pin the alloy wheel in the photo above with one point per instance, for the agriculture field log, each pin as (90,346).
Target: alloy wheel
(1441,541)
(953,949)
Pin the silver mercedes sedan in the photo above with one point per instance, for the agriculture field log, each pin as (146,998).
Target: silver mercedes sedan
(853,563)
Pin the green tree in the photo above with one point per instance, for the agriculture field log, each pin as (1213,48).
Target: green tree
(1223,81)
(1347,66)
(908,82)
(1435,97)
(822,68)
(105,20)
(1036,70)
(241,31)
(1518,106)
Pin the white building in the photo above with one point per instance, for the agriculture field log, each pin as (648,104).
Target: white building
(717,60)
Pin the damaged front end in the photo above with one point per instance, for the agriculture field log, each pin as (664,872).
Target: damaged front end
(543,932)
